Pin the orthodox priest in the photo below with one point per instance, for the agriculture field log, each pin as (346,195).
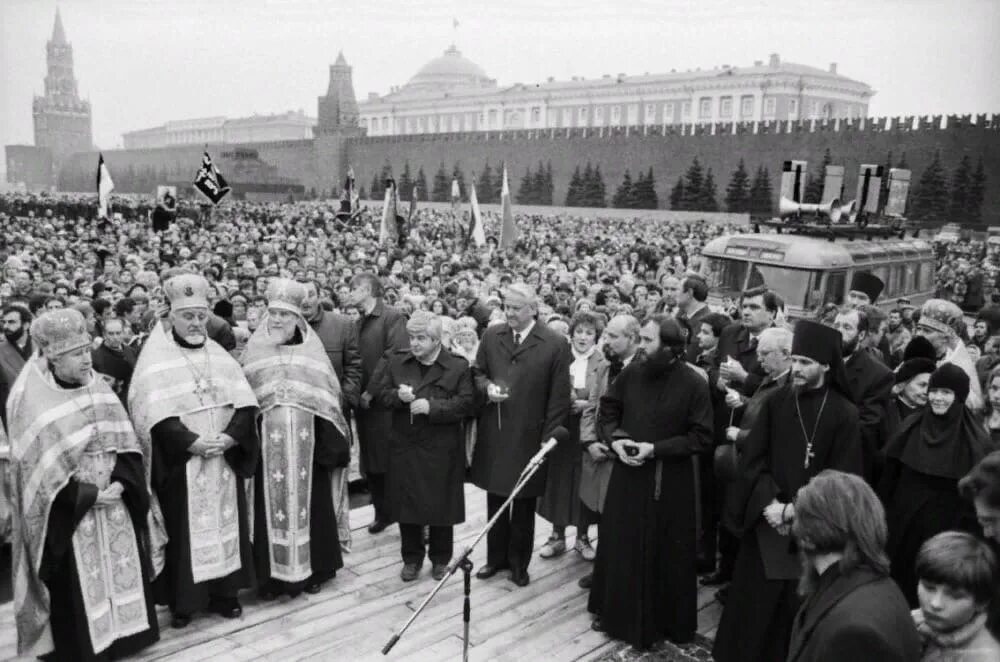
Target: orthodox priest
(802,428)
(189,397)
(303,439)
(80,565)
(656,416)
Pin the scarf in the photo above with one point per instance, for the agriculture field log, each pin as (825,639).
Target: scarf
(946,446)
(578,368)
(958,638)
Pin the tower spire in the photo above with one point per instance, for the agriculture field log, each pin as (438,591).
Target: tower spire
(58,34)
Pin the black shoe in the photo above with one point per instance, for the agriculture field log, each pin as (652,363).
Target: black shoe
(488,571)
(722,595)
(717,578)
(520,577)
(378,526)
(313,588)
(596,625)
(180,621)
(586,582)
(409,572)
(439,570)
(226,607)
(267,595)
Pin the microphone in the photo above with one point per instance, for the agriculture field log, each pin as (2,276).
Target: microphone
(559,435)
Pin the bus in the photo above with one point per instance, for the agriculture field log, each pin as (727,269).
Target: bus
(811,271)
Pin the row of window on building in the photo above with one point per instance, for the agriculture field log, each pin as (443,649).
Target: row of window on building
(709,108)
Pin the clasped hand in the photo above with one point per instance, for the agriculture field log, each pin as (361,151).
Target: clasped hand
(109,495)
(212,445)
(421,406)
(644,450)
(780,516)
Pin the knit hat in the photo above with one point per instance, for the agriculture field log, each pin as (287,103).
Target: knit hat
(919,348)
(910,368)
(950,376)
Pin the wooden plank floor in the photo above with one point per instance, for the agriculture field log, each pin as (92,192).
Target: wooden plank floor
(356,613)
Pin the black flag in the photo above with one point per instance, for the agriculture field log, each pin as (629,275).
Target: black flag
(210,181)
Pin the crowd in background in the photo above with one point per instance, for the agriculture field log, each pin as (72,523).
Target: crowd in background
(916,419)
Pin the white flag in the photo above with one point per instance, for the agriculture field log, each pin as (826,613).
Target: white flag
(478,233)
(104,187)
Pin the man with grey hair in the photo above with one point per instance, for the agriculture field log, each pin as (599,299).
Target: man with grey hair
(522,367)
(621,343)
(429,392)
(939,321)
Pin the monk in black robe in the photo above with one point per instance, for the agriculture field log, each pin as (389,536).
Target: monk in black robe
(801,429)
(657,415)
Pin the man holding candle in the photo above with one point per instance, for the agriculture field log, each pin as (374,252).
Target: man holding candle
(522,368)
(429,392)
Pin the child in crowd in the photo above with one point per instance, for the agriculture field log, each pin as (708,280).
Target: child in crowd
(957,576)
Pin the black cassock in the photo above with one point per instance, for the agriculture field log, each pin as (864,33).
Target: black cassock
(175,586)
(70,632)
(756,623)
(645,581)
(331,451)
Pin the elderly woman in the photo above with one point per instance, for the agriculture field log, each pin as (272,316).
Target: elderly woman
(851,609)
(939,323)
(561,503)
(924,461)
(911,377)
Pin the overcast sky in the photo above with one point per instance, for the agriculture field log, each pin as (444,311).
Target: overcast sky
(142,62)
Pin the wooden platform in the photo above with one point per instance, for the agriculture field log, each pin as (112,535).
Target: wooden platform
(356,613)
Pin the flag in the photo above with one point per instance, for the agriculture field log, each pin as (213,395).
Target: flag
(104,187)
(508,231)
(413,205)
(389,231)
(456,194)
(210,181)
(476,232)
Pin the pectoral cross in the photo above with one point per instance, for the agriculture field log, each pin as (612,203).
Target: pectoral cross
(810,454)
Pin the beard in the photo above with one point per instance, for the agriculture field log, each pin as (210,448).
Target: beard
(14,336)
(195,339)
(657,363)
(849,347)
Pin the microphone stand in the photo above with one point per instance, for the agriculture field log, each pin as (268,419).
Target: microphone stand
(463,563)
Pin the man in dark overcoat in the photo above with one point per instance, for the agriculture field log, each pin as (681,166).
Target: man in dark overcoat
(381,330)
(523,370)
(340,340)
(870,382)
(429,392)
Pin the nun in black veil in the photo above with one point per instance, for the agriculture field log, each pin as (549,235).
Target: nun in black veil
(924,461)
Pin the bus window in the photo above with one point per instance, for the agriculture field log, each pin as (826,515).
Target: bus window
(836,281)
(926,280)
(911,277)
(898,280)
(792,284)
(725,276)
(882,273)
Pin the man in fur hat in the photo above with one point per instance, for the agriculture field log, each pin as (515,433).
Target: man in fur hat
(806,426)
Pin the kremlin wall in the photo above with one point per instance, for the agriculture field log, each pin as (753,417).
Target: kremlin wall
(776,111)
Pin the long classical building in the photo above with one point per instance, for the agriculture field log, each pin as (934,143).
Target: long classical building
(453,94)
(293,125)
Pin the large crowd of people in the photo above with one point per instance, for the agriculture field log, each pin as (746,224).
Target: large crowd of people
(181,405)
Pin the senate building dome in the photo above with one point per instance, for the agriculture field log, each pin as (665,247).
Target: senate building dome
(449,71)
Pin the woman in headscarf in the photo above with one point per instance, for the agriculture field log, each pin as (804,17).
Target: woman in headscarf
(924,461)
